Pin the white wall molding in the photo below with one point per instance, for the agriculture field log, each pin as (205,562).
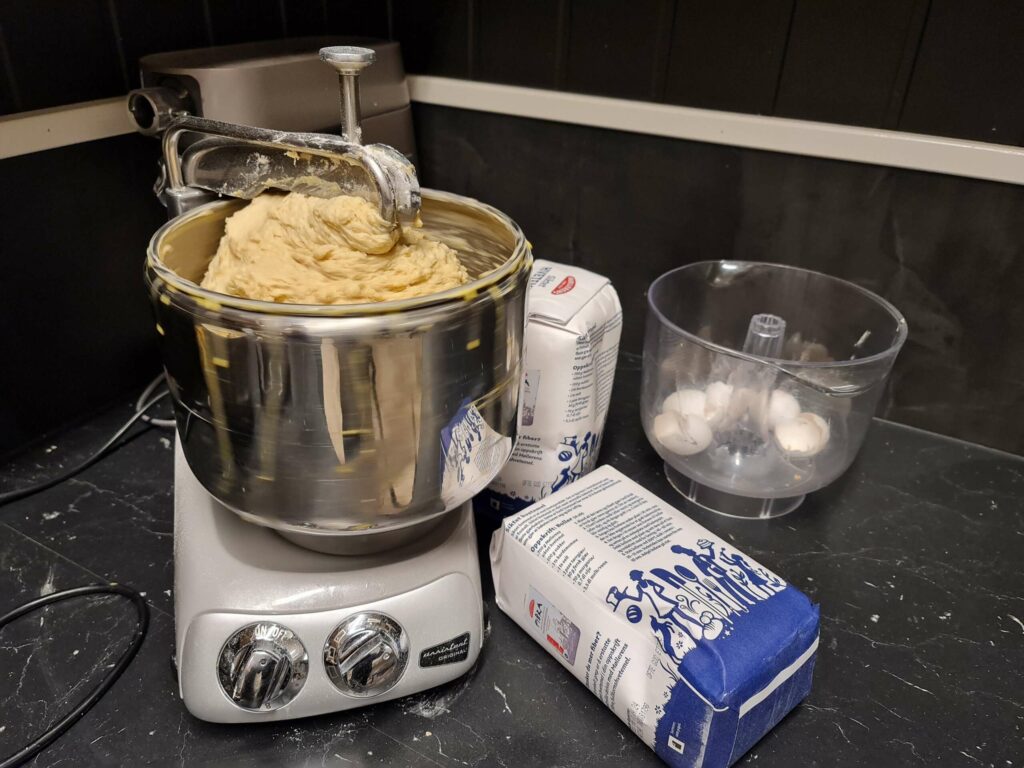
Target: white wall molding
(995,162)
(28,132)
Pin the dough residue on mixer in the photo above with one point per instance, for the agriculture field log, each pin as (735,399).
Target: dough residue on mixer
(297,249)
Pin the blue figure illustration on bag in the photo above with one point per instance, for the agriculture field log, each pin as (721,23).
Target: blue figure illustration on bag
(675,642)
(685,604)
(759,579)
(578,454)
(712,596)
(711,614)
(706,564)
(665,608)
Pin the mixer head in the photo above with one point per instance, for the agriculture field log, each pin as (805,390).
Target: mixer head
(242,161)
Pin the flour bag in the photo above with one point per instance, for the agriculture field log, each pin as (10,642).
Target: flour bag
(572,341)
(697,647)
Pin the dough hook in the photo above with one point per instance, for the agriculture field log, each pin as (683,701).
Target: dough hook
(243,161)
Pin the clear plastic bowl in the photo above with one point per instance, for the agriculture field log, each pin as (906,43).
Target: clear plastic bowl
(760,380)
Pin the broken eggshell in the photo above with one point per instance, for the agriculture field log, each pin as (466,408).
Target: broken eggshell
(803,436)
(682,434)
(821,424)
(782,407)
(685,402)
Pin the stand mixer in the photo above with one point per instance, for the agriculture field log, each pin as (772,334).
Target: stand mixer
(325,553)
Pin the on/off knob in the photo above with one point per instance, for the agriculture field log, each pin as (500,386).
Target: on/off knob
(262,666)
(366,654)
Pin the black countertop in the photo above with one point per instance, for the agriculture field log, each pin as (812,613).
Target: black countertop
(914,556)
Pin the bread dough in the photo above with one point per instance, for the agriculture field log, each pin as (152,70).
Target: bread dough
(296,249)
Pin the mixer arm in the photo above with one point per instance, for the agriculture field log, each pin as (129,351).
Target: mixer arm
(242,161)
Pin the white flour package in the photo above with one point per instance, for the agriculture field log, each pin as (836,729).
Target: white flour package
(572,341)
(699,649)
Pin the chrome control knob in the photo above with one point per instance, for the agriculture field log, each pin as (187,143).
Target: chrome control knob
(366,654)
(262,666)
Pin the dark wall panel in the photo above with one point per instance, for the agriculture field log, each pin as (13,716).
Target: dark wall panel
(618,49)
(969,77)
(239,21)
(77,330)
(159,25)
(9,101)
(304,17)
(727,54)
(501,55)
(357,17)
(949,252)
(435,35)
(930,66)
(61,52)
(847,61)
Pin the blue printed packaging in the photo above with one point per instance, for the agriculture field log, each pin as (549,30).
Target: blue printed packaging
(574,321)
(698,648)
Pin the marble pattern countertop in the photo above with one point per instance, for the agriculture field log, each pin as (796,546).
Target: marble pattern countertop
(914,556)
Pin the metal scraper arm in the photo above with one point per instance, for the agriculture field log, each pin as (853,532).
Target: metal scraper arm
(243,161)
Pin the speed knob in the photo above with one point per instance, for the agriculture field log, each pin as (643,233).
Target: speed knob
(366,654)
(262,666)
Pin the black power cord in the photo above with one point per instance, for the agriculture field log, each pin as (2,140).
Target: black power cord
(54,731)
(107,447)
(115,441)
(143,403)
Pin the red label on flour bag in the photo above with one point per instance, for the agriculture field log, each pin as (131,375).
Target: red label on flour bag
(565,286)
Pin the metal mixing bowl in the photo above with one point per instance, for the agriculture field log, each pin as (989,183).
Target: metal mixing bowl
(330,423)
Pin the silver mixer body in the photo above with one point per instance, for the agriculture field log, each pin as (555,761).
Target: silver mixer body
(347,428)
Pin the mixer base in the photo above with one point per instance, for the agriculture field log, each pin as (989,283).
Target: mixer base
(730,504)
(408,618)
